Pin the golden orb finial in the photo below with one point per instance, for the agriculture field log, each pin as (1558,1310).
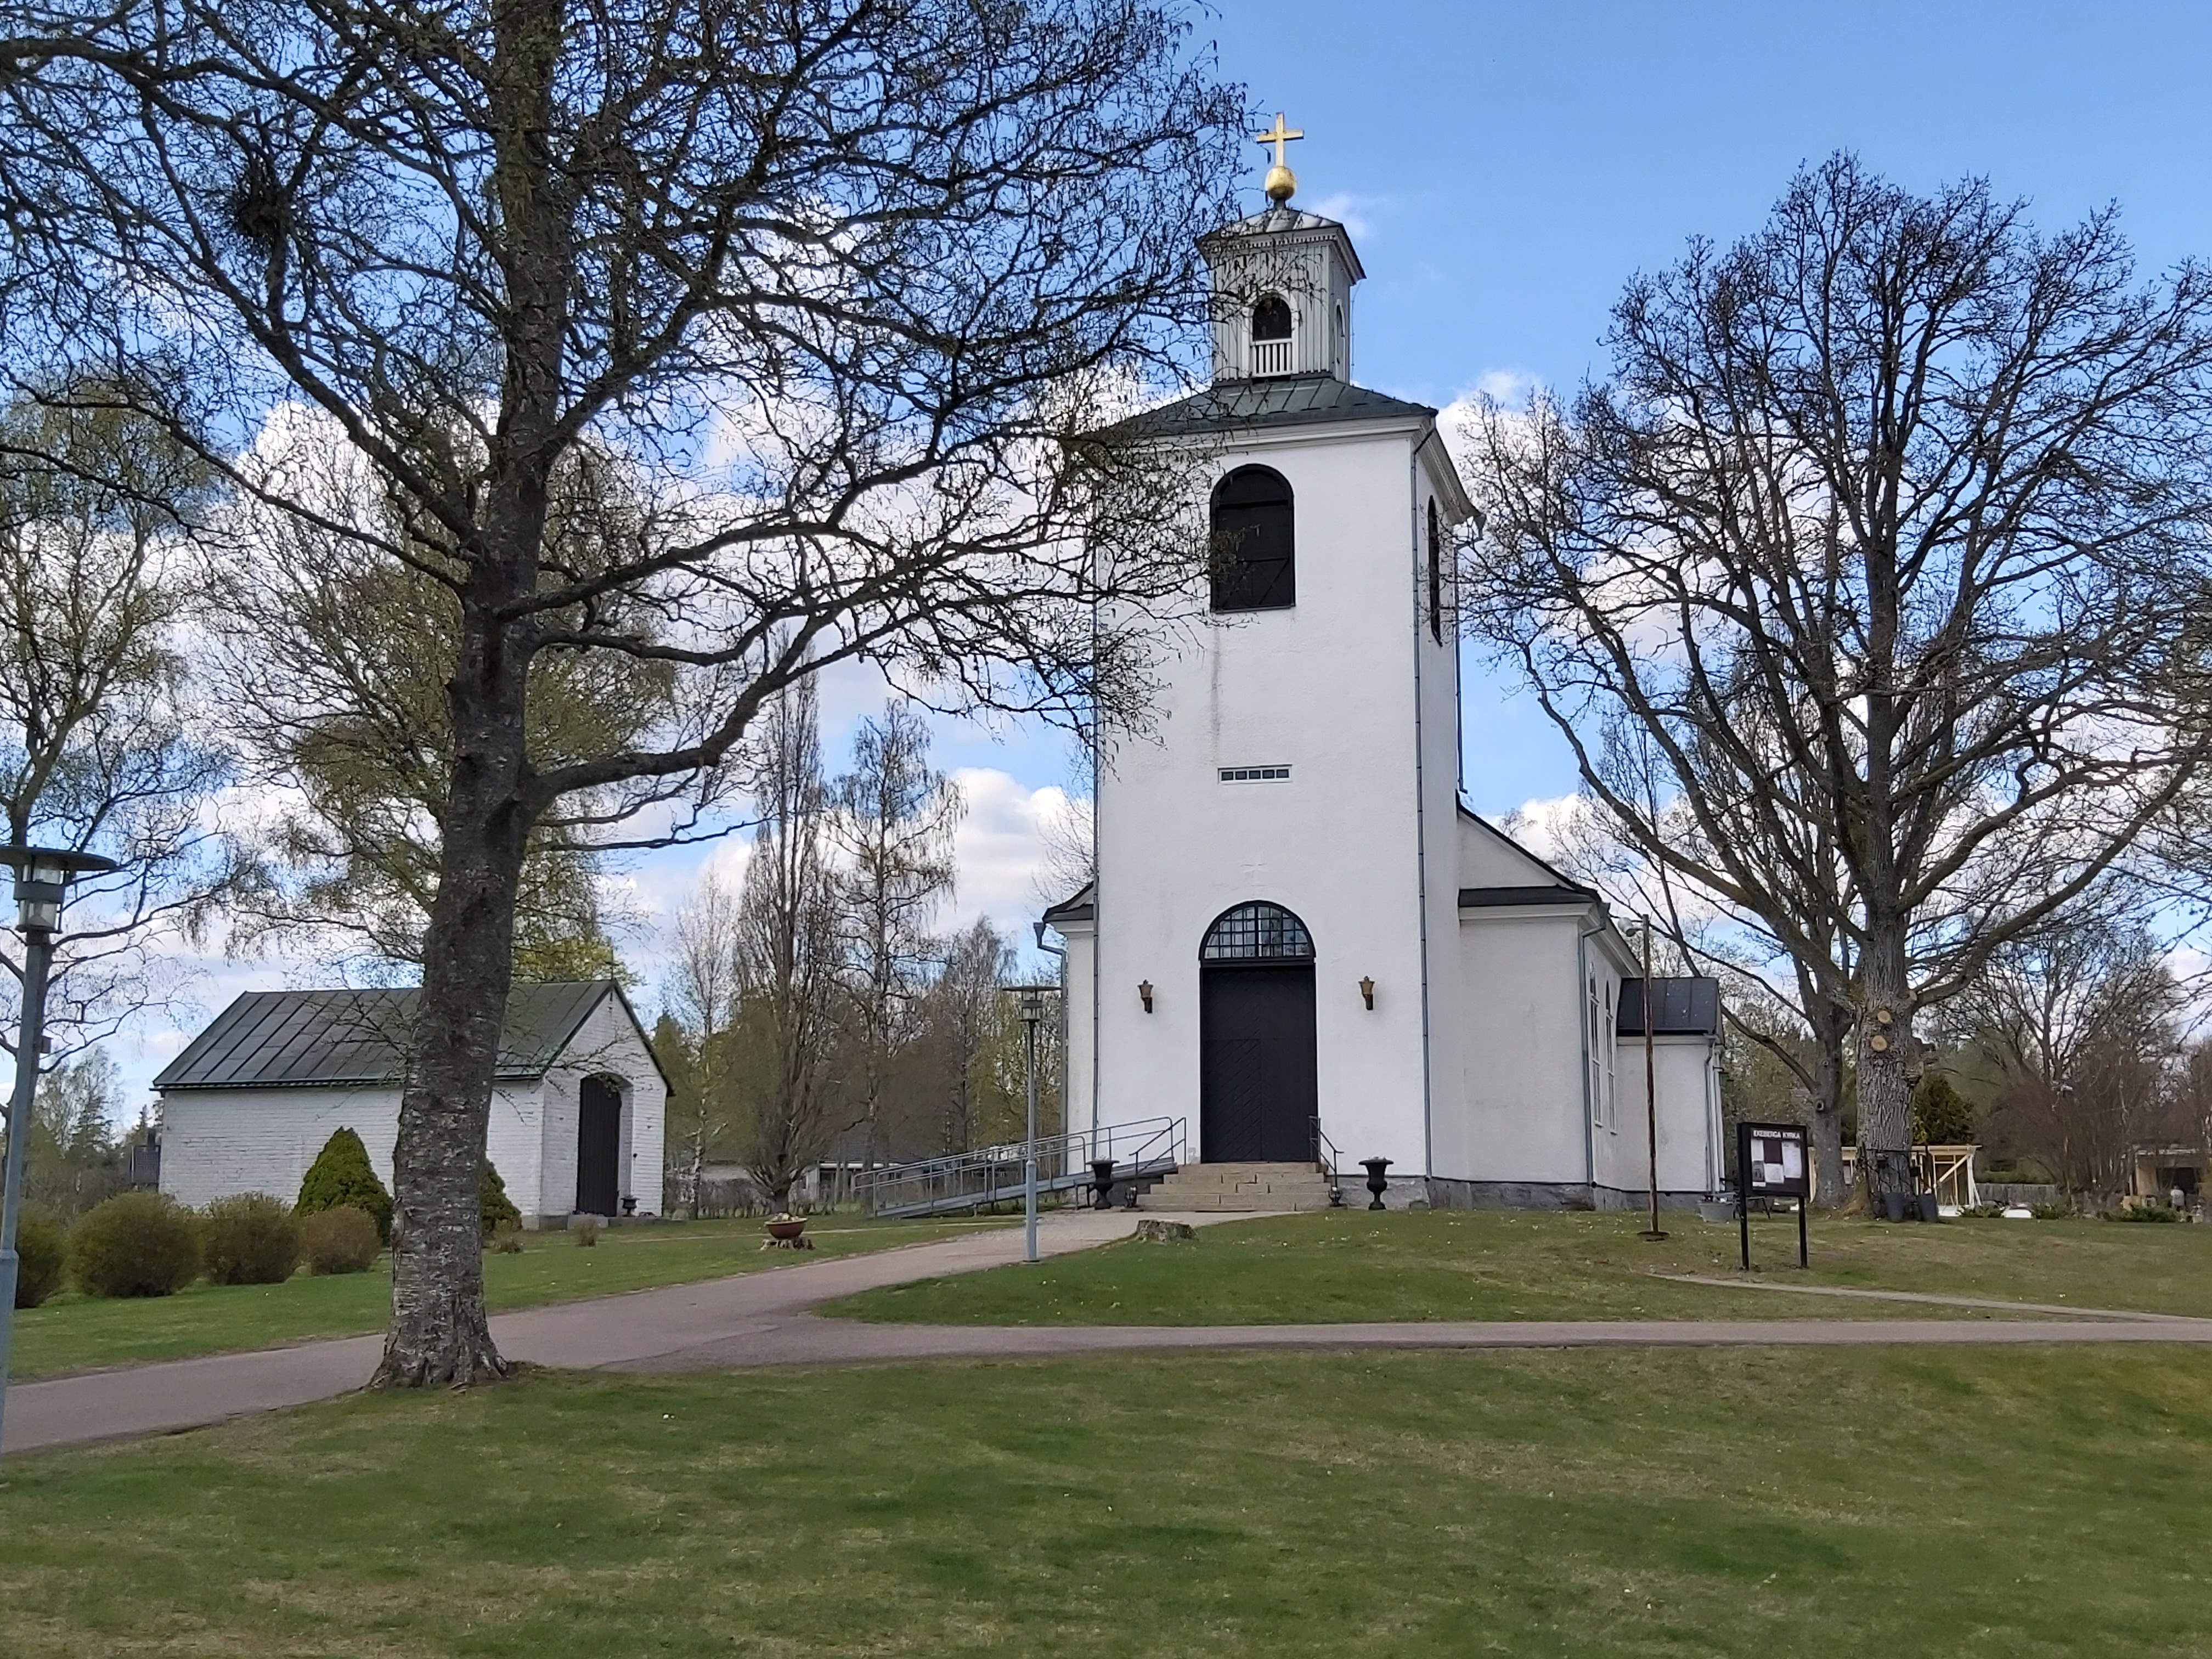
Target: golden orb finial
(1282,183)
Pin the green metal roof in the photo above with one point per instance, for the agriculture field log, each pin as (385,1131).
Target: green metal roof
(288,1039)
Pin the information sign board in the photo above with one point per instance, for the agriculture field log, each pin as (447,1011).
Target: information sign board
(1771,1163)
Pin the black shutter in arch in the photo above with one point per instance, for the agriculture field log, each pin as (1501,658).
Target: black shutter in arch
(1255,566)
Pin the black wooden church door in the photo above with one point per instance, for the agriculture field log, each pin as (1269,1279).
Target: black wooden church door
(1258,1087)
(598,1148)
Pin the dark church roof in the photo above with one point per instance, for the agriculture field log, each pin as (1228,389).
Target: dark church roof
(1487,898)
(1080,906)
(275,1039)
(1279,400)
(1687,1008)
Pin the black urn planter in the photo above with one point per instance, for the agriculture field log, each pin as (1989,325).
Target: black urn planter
(1102,1183)
(1927,1203)
(1378,1182)
(1894,1206)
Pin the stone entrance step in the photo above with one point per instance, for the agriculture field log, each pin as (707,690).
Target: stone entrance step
(1240,1186)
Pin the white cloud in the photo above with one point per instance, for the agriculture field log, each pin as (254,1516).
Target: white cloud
(999,848)
(1352,212)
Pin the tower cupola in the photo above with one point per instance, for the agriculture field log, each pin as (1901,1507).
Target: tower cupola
(1282,284)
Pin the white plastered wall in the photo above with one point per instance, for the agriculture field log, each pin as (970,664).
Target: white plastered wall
(1327,688)
(607,1044)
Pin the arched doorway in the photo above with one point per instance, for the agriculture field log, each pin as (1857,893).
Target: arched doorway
(598,1148)
(1258,1088)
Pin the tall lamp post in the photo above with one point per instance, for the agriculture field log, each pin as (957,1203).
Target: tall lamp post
(42,879)
(1032,1007)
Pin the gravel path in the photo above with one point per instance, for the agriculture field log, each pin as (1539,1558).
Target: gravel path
(767,1319)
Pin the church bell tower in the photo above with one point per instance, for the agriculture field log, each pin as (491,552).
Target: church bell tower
(1270,935)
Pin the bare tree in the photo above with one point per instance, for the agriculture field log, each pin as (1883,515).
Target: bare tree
(2081,1022)
(1886,542)
(892,821)
(787,956)
(959,1013)
(853,285)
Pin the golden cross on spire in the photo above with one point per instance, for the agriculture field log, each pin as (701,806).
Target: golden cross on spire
(1281,136)
(1282,183)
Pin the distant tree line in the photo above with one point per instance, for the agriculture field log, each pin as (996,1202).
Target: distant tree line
(813,1013)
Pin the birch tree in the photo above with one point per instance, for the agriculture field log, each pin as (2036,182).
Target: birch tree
(1887,537)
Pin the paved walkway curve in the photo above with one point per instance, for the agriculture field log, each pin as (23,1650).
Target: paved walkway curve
(765,1319)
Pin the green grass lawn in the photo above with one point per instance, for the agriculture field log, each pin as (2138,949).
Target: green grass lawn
(1352,1265)
(1693,1503)
(75,1332)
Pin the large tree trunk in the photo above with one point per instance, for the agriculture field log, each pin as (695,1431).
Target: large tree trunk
(1824,1105)
(438,1334)
(1885,1061)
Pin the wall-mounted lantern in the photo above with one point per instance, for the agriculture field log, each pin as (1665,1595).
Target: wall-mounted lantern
(1367,994)
(1144,990)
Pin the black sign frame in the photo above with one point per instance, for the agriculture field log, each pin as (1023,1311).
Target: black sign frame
(1799,1187)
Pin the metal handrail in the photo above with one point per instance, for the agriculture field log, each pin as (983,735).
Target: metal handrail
(995,1175)
(1335,1183)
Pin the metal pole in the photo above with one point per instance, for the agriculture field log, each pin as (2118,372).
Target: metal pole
(37,959)
(1028,1162)
(1650,1083)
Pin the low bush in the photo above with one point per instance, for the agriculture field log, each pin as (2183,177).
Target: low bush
(340,1241)
(2051,1211)
(587,1232)
(342,1174)
(1983,1212)
(135,1244)
(498,1208)
(249,1238)
(2149,1210)
(506,1238)
(42,1255)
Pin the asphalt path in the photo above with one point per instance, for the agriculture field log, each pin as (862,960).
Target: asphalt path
(767,1318)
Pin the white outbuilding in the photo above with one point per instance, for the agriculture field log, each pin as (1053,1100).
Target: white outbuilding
(1301,943)
(578,1114)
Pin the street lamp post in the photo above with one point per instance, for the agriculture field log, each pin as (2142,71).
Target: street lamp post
(1032,1007)
(42,879)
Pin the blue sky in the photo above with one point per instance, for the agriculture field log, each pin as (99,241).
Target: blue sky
(1505,168)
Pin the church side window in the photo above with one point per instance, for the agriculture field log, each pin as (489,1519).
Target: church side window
(1435,575)
(1596,1062)
(1271,336)
(1253,562)
(1612,1054)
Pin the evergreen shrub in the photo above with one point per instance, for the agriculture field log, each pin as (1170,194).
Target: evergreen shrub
(498,1208)
(342,1174)
(249,1238)
(2149,1210)
(42,1255)
(1941,1116)
(339,1241)
(2051,1211)
(135,1244)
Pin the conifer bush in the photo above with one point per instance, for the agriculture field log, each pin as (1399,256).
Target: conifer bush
(250,1238)
(42,1255)
(135,1244)
(339,1241)
(342,1174)
(498,1208)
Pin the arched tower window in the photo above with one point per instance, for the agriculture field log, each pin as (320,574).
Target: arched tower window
(1436,576)
(1253,564)
(1257,933)
(1271,336)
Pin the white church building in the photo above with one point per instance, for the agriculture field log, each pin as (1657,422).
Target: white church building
(1299,938)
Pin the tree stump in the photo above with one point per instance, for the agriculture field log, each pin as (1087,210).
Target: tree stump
(1166,1232)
